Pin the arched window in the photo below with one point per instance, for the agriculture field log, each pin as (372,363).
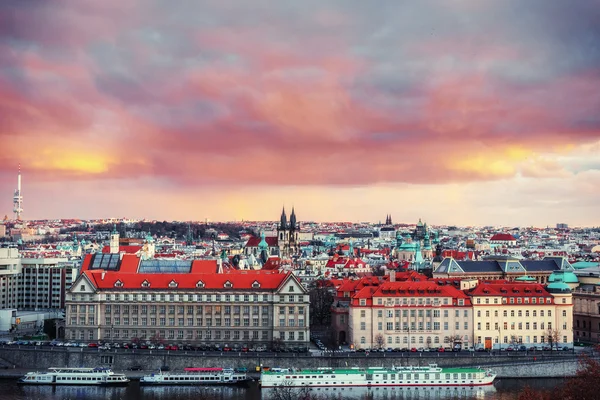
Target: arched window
(363,340)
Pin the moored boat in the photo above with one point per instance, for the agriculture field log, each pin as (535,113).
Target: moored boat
(195,376)
(431,375)
(75,376)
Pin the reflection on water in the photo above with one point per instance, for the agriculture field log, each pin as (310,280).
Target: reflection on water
(501,390)
(392,393)
(43,392)
(194,392)
(131,392)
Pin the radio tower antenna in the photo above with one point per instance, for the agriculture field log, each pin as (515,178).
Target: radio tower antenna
(18,198)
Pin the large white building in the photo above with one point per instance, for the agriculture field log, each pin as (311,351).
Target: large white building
(509,314)
(127,298)
(410,315)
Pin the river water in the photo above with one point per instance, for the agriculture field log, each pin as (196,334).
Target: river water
(503,389)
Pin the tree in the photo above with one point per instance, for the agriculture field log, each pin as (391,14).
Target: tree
(379,340)
(529,393)
(321,300)
(585,385)
(553,336)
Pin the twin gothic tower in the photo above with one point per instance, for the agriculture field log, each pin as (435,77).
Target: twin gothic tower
(287,234)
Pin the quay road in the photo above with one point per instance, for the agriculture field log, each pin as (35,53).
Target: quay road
(316,353)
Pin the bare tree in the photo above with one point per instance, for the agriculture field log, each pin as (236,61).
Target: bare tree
(286,391)
(553,336)
(379,340)
(321,300)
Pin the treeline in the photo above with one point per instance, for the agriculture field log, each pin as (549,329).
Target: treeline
(174,230)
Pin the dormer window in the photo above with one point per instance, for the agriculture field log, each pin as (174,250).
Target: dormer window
(145,284)
(118,284)
(173,284)
(255,285)
(200,285)
(228,285)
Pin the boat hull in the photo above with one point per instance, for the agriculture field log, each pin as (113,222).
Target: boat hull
(184,383)
(368,385)
(377,377)
(33,383)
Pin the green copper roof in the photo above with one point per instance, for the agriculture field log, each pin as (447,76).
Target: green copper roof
(525,279)
(563,276)
(263,243)
(558,287)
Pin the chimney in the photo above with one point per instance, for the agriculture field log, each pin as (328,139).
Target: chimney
(392,276)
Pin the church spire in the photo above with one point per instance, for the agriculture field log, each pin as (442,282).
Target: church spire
(293,220)
(283,220)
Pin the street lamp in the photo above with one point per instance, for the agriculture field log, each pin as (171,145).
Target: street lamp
(499,338)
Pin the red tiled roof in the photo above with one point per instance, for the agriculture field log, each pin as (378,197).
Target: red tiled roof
(254,241)
(239,280)
(123,249)
(417,289)
(204,267)
(510,289)
(273,263)
(459,255)
(503,236)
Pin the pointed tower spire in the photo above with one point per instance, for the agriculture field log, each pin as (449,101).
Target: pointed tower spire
(293,220)
(283,220)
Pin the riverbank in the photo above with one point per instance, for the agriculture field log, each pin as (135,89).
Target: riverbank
(513,366)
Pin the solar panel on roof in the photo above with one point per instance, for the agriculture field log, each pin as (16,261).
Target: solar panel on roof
(165,266)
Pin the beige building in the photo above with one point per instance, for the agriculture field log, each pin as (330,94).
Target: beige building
(125,298)
(511,314)
(410,315)
(28,283)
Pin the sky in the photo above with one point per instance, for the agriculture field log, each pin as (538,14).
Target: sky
(465,112)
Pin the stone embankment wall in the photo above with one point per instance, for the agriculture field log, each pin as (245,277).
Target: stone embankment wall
(505,367)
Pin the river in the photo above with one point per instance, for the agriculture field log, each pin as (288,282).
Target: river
(503,389)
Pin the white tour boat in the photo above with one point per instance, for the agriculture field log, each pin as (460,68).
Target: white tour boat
(75,376)
(195,376)
(431,375)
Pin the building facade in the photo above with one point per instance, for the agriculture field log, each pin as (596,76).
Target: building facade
(131,299)
(34,283)
(410,315)
(511,314)
(586,315)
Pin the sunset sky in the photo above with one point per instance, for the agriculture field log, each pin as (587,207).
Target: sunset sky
(457,112)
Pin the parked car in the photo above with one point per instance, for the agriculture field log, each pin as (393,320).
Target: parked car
(136,368)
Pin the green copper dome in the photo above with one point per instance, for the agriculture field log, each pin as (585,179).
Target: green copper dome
(563,276)
(558,287)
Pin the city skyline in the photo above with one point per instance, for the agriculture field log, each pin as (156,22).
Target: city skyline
(460,113)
